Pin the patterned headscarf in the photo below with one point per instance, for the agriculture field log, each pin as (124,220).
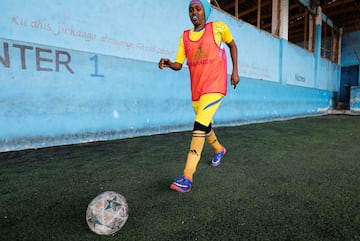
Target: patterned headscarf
(206,6)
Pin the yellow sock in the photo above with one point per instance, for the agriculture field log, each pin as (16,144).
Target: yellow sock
(193,158)
(213,141)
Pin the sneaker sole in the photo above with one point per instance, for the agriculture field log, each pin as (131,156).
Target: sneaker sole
(178,189)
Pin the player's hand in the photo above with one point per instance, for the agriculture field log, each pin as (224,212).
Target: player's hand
(164,62)
(235,79)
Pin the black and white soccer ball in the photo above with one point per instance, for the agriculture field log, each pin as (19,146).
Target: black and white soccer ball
(107,213)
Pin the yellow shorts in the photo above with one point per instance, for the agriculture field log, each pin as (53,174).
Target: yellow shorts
(206,107)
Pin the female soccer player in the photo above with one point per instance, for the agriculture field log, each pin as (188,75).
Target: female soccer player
(203,47)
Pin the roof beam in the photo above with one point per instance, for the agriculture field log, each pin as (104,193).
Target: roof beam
(335,4)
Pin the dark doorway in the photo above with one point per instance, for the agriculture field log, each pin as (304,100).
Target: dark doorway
(349,77)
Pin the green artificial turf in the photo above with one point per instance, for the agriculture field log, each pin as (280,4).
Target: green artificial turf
(286,180)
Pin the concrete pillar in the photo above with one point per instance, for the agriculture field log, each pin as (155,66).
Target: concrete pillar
(275,20)
(284,19)
(317,50)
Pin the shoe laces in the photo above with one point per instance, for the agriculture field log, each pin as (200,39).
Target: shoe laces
(218,156)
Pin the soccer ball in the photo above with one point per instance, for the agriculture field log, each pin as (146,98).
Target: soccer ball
(107,213)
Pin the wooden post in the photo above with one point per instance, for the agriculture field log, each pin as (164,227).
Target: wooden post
(306,23)
(324,40)
(237,9)
(258,14)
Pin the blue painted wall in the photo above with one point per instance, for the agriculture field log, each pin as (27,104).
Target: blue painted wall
(351,50)
(71,75)
(355,99)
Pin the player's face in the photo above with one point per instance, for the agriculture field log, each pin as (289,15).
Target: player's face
(197,15)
